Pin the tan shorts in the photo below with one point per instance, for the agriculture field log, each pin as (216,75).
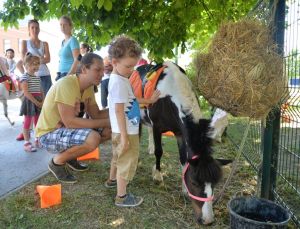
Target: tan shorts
(125,162)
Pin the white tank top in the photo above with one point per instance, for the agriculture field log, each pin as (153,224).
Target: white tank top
(43,70)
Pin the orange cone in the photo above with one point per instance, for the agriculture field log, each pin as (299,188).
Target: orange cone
(168,134)
(94,155)
(49,195)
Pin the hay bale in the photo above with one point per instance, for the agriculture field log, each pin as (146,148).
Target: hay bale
(242,72)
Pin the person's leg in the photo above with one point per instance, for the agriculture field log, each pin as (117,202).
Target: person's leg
(20,136)
(121,186)
(26,132)
(35,120)
(26,127)
(127,164)
(91,143)
(112,180)
(71,143)
(126,167)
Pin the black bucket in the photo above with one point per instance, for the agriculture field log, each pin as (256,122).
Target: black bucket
(252,212)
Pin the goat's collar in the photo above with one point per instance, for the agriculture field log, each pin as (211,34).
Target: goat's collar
(202,199)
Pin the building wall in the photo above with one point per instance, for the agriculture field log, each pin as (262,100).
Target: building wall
(49,32)
(14,36)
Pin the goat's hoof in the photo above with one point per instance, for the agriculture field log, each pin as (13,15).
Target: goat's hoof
(157,176)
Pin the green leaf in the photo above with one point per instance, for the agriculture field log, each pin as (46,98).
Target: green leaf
(89,3)
(100,3)
(105,38)
(76,3)
(107,5)
(158,25)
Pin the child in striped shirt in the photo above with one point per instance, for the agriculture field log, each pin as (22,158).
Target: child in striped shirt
(33,98)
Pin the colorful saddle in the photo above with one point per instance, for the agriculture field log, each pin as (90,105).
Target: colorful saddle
(144,80)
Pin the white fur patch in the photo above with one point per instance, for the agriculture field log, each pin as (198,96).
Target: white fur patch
(184,98)
(207,209)
(151,147)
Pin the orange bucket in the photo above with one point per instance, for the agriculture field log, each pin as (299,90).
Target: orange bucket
(94,155)
(49,195)
(168,134)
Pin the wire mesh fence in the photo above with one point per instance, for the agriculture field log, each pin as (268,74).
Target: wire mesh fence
(285,184)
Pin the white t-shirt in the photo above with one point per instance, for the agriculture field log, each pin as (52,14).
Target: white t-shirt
(11,65)
(120,91)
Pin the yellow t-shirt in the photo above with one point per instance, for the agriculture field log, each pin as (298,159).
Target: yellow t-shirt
(66,91)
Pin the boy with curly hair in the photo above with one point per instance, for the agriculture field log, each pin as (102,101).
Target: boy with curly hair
(124,114)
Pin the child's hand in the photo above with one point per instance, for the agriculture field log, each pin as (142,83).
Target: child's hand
(124,143)
(155,96)
(39,104)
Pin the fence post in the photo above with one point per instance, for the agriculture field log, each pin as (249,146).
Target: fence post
(271,131)
(266,162)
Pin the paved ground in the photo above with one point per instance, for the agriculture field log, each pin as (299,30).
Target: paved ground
(17,167)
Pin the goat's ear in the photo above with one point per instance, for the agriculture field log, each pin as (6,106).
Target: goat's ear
(223,162)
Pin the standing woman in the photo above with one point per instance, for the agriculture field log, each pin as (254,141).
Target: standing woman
(69,51)
(37,48)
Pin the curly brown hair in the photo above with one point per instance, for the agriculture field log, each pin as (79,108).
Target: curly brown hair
(124,46)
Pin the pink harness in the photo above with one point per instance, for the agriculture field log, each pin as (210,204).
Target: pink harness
(202,199)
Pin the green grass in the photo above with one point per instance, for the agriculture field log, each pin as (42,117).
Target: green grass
(88,204)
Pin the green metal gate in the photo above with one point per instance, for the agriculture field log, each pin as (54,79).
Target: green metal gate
(273,147)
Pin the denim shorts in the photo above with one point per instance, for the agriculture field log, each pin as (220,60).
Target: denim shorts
(46,83)
(62,139)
